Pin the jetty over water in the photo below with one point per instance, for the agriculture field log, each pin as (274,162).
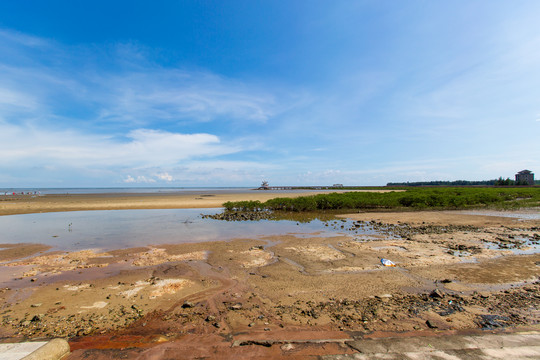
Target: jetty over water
(283,188)
(267,187)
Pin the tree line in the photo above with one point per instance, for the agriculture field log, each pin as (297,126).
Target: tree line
(495,182)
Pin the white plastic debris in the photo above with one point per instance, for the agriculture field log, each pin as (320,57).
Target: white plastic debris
(387,262)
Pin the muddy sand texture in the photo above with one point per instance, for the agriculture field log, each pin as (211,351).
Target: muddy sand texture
(265,297)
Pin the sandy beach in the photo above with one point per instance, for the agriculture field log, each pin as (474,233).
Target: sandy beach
(294,295)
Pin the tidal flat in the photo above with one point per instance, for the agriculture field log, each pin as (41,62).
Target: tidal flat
(253,292)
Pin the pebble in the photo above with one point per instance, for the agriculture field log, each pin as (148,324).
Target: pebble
(431,325)
(287,347)
(436,294)
(237,306)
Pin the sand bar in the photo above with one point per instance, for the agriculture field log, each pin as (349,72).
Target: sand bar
(24,204)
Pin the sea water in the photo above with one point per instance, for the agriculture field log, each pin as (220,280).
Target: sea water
(140,190)
(120,190)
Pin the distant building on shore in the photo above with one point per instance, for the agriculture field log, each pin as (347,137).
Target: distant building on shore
(525,177)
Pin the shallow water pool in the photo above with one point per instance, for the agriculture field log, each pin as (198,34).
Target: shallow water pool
(114,229)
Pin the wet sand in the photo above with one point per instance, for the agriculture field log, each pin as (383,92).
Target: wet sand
(278,296)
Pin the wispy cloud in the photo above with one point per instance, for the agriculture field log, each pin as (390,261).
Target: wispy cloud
(174,95)
(18,39)
(139,93)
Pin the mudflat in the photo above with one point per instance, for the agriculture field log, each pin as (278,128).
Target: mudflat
(290,295)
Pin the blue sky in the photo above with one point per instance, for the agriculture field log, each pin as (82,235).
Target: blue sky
(211,93)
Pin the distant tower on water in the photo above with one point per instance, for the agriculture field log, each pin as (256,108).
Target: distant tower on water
(525,177)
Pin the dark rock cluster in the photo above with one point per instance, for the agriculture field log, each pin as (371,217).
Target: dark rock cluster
(240,216)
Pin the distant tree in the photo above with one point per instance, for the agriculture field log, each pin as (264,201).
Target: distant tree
(503,182)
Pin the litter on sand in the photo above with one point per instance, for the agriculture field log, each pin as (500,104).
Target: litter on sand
(387,262)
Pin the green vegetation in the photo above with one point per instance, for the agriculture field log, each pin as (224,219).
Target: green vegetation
(412,198)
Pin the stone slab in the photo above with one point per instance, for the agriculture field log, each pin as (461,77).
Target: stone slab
(54,349)
(459,347)
(17,351)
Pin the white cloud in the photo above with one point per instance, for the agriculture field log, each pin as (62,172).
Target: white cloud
(205,173)
(138,180)
(141,148)
(165,176)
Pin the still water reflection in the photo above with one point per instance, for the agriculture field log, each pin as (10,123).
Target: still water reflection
(114,229)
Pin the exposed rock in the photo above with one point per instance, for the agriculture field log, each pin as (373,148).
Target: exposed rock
(188,304)
(431,325)
(436,294)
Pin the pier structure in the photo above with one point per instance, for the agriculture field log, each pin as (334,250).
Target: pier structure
(265,186)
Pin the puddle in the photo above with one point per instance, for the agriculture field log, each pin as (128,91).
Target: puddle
(529,214)
(520,246)
(390,247)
